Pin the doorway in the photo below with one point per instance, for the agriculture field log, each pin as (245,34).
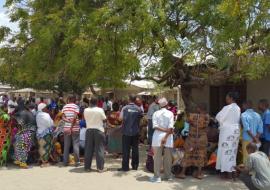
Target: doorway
(218,95)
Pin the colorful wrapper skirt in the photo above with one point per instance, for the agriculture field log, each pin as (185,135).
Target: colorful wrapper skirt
(45,147)
(24,140)
(4,142)
(115,140)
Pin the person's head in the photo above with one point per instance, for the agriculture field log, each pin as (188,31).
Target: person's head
(42,99)
(106,99)
(85,100)
(115,107)
(263,105)
(42,107)
(27,105)
(231,97)
(93,102)
(170,103)
(155,98)
(251,148)
(202,108)
(13,98)
(180,116)
(72,99)
(132,98)
(138,101)
(247,105)
(163,102)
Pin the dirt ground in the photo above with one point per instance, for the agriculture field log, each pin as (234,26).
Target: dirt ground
(70,178)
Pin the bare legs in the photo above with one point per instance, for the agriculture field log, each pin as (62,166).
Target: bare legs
(197,174)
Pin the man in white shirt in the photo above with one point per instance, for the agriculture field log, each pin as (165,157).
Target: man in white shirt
(12,104)
(95,137)
(163,124)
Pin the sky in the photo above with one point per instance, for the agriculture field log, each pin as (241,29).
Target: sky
(4,20)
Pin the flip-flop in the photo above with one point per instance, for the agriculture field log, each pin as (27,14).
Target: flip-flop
(200,177)
(181,176)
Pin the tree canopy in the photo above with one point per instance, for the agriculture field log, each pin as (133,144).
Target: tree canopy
(72,44)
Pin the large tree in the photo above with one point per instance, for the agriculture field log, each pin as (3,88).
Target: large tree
(209,42)
(71,44)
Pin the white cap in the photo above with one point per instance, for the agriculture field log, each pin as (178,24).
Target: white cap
(163,102)
(41,106)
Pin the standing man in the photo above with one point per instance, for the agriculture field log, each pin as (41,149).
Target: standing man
(152,109)
(95,137)
(163,124)
(264,108)
(252,127)
(71,130)
(131,115)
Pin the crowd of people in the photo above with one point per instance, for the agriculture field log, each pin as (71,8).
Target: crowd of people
(48,132)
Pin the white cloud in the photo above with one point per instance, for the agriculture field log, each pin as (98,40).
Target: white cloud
(5,21)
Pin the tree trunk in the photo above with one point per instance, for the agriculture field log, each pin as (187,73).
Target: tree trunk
(187,98)
(93,90)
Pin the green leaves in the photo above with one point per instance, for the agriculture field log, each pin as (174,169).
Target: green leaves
(4,32)
(75,43)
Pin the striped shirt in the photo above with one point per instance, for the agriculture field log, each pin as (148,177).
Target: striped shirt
(70,112)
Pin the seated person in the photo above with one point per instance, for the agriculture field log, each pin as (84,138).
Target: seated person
(259,165)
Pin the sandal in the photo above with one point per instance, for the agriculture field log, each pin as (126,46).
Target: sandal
(200,177)
(181,176)
(17,162)
(23,165)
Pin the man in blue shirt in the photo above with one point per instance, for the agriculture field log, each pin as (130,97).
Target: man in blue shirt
(131,115)
(264,108)
(252,127)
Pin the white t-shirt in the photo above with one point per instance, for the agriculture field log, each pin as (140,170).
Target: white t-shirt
(162,119)
(44,121)
(10,104)
(94,118)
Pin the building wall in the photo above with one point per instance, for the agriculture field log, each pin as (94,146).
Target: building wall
(201,95)
(258,89)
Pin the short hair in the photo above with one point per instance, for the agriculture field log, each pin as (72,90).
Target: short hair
(72,99)
(86,100)
(233,95)
(252,147)
(93,101)
(248,103)
(264,102)
(202,106)
(115,106)
(132,98)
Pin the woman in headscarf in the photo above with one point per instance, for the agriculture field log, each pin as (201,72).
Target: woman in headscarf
(24,138)
(44,133)
(229,121)
(196,142)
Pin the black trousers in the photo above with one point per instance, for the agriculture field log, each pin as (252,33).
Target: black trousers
(150,131)
(266,147)
(94,142)
(130,143)
(247,181)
